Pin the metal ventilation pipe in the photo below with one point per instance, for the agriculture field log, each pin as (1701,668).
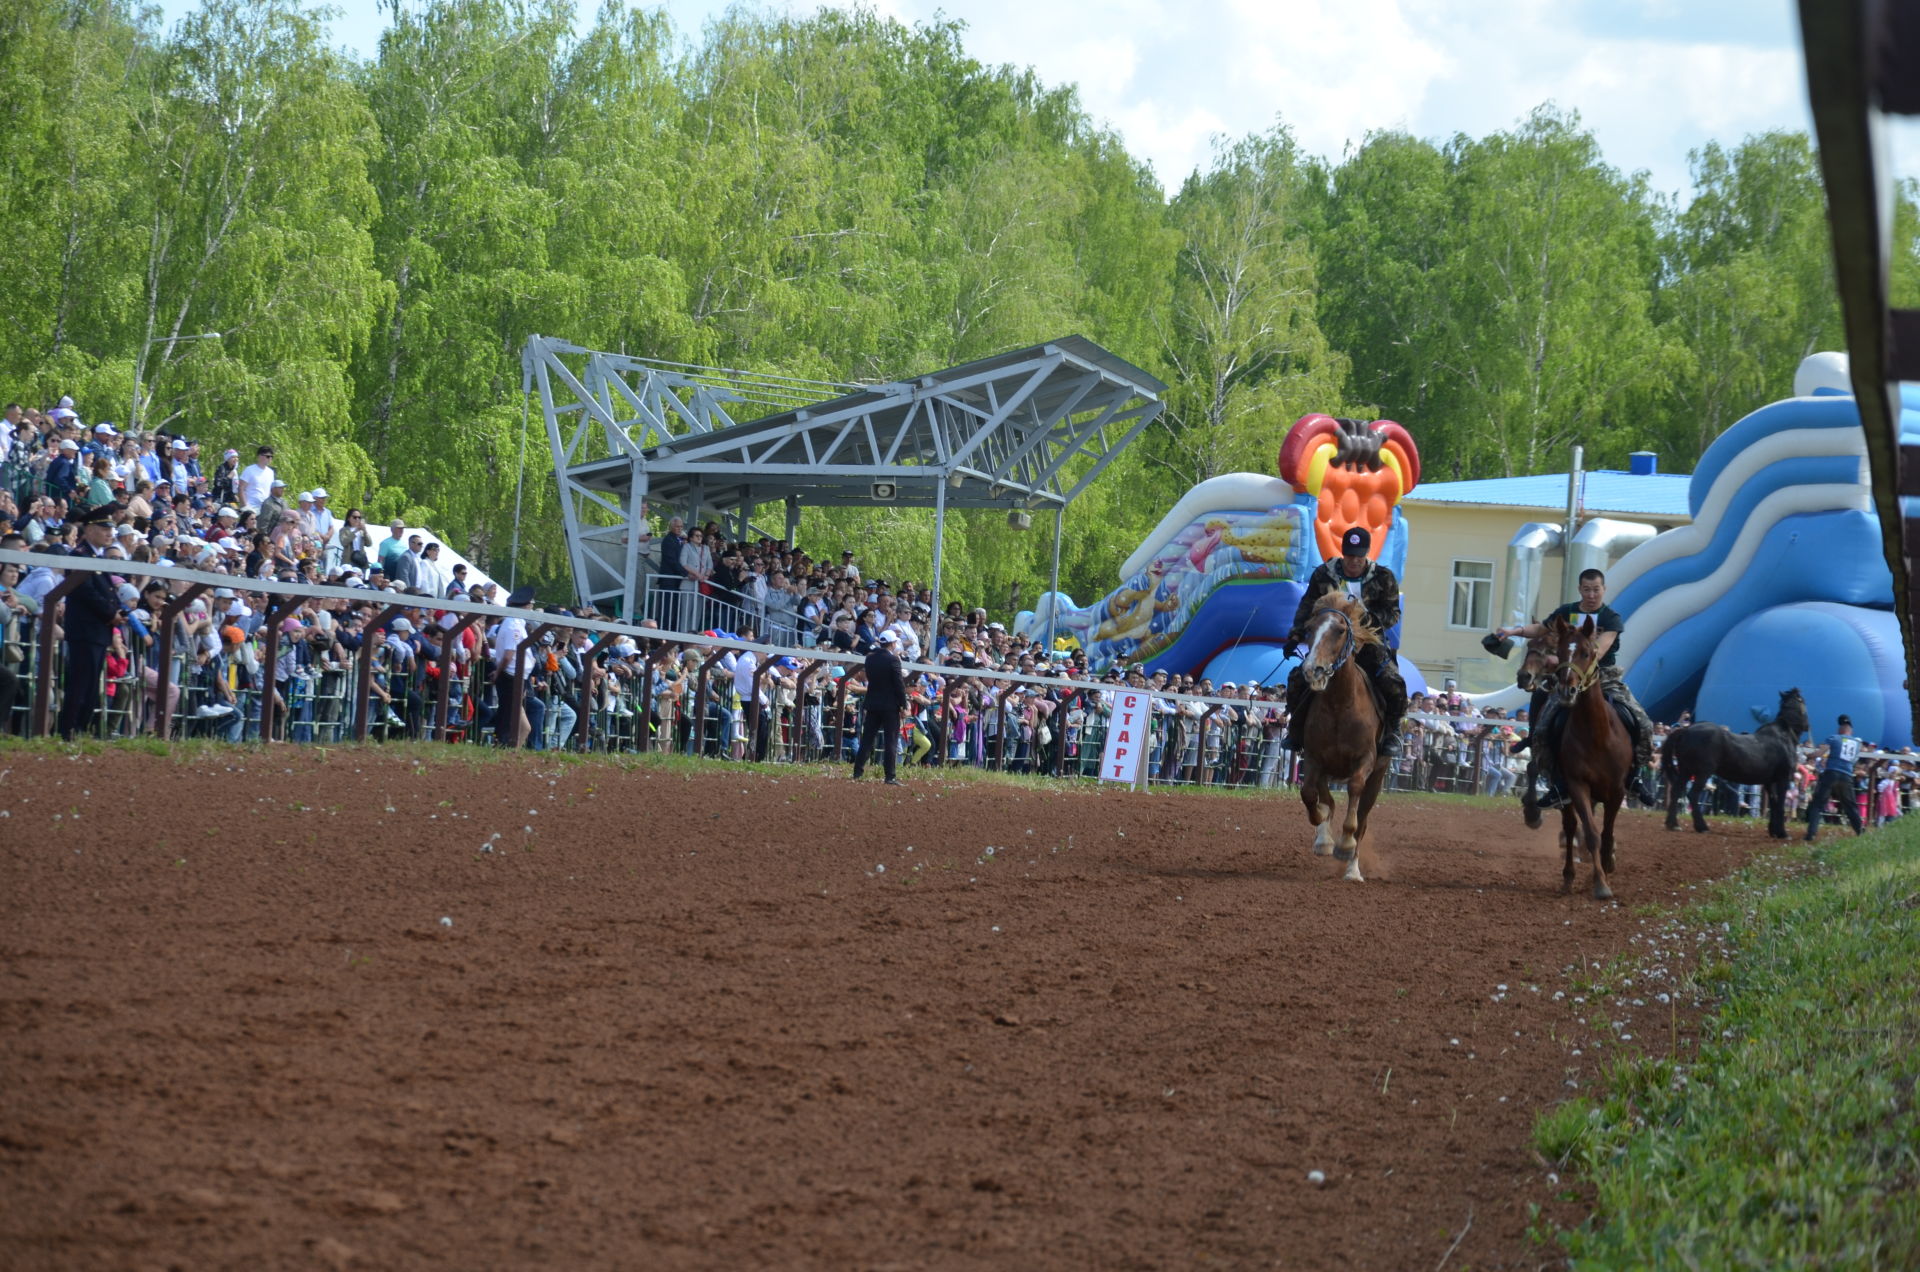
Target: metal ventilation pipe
(1576,487)
(1603,541)
(1526,565)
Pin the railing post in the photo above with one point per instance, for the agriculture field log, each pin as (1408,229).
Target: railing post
(519,674)
(1000,738)
(163,672)
(583,727)
(700,701)
(363,671)
(43,674)
(760,666)
(443,692)
(277,612)
(840,716)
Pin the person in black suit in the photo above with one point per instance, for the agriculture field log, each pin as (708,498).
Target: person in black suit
(92,609)
(886,696)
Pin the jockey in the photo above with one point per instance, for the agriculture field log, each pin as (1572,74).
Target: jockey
(1376,588)
(1592,604)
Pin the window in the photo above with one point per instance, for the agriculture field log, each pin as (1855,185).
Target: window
(1472,604)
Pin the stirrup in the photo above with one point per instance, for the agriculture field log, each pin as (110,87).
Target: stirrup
(1390,744)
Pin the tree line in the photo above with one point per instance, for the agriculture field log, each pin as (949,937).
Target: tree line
(836,197)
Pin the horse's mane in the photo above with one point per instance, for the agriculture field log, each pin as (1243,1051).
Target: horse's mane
(1355,612)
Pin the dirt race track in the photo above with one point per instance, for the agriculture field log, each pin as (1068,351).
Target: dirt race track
(683,1019)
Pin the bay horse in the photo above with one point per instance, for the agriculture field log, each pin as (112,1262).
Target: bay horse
(1766,757)
(1341,740)
(1594,754)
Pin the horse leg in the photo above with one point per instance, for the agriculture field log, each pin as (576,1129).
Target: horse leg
(1777,808)
(1375,780)
(1313,793)
(1603,863)
(1529,805)
(1582,799)
(1694,794)
(1569,830)
(1676,784)
(1349,847)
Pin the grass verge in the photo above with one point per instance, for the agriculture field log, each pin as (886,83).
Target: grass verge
(1791,1140)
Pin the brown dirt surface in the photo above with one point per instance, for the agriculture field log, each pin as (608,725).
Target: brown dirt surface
(682,1018)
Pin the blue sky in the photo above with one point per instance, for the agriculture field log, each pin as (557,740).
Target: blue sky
(1653,79)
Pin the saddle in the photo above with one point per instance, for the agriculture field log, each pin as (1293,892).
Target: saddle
(1553,723)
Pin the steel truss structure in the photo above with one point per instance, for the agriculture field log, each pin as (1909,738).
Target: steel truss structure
(1024,430)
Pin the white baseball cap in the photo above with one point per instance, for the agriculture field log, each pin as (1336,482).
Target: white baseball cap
(889,638)
(319,492)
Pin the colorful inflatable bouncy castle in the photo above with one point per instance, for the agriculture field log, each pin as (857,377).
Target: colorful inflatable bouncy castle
(1213,589)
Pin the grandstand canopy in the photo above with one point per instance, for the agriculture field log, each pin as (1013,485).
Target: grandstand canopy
(1023,430)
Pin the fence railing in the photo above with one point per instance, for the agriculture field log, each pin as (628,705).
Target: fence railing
(680,691)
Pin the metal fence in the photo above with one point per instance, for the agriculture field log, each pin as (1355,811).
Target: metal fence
(677,692)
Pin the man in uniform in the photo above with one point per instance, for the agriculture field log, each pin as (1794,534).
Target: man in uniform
(92,609)
(1836,780)
(1375,587)
(1592,604)
(886,697)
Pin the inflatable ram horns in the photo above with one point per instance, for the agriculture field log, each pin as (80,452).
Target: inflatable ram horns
(1356,472)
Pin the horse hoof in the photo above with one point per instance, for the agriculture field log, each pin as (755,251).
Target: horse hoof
(1343,854)
(1531,815)
(1601,892)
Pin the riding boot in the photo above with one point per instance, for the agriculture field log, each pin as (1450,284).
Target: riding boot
(1523,744)
(1390,739)
(1297,721)
(1552,795)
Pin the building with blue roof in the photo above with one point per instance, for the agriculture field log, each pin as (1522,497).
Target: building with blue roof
(1463,572)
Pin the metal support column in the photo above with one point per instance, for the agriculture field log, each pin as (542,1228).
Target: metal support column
(1053,579)
(939,542)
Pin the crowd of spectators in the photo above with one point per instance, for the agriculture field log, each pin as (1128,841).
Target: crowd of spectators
(993,697)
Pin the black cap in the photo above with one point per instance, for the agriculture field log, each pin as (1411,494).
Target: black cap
(520,595)
(102,513)
(1846,722)
(1355,541)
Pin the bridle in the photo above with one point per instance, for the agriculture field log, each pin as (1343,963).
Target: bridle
(1346,643)
(1577,679)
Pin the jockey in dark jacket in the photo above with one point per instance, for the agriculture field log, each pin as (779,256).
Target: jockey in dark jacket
(1610,626)
(1379,592)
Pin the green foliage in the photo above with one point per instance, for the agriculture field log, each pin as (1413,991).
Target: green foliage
(834,196)
(1793,1141)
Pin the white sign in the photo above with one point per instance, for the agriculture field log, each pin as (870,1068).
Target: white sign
(1126,737)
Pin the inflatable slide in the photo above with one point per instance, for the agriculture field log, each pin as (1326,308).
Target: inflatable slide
(1213,589)
(1779,581)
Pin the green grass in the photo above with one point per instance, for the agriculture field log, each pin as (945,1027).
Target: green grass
(1791,1140)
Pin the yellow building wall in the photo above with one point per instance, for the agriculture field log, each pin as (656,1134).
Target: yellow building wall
(1438,535)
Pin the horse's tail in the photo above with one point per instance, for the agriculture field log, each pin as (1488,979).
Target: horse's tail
(1669,758)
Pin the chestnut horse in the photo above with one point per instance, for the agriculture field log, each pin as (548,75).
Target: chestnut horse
(1341,740)
(1594,754)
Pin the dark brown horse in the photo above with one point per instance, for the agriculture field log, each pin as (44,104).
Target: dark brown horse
(1594,754)
(1342,736)
(1539,672)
